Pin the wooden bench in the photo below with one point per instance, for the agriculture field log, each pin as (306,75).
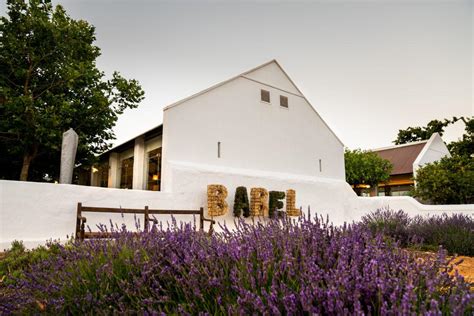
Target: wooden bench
(81,234)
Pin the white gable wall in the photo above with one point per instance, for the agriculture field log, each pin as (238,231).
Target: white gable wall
(434,150)
(253,134)
(272,75)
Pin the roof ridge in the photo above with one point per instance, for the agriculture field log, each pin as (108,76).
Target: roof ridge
(220,83)
(243,75)
(400,145)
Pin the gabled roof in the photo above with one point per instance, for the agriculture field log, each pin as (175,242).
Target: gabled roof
(229,80)
(402,156)
(434,150)
(244,75)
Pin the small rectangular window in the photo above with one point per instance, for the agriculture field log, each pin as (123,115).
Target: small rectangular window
(283,101)
(265,96)
(320,165)
(218,149)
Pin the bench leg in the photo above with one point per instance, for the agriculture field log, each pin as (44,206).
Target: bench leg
(147,220)
(78,220)
(201,218)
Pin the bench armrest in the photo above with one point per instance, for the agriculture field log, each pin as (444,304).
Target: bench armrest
(209,220)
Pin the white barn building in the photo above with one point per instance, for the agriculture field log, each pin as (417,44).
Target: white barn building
(256,122)
(253,130)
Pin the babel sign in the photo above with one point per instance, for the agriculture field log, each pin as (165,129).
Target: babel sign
(259,201)
(216,204)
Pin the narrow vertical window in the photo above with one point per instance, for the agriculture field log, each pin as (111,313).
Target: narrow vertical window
(154,170)
(265,96)
(218,149)
(126,175)
(320,165)
(104,175)
(283,101)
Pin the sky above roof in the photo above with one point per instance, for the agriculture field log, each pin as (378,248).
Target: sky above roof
(369,68)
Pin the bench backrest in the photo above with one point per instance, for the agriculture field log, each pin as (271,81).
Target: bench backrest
(80,220)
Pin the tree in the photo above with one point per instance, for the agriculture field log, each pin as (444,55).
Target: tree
(465,146)
(413,134)
(49,83)
(365,167)
(448,181)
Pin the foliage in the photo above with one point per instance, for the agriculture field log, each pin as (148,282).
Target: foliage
(280,267)
(274,202)
(241,202)
(365,167)
(49,83)
(455,233)
(465,146)
(450,180)
(447,181)
(389,223)
(17,260)
(462,147)
(413,134)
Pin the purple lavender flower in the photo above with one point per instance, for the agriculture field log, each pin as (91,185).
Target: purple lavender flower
(280,267)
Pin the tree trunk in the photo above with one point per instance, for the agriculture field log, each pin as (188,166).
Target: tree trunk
(27,159)
(374,190)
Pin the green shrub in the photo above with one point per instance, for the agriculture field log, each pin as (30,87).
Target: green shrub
(365,167)
(448,181)
(241,202)
(390,223)
(275,202)
(455,232)
(17,260)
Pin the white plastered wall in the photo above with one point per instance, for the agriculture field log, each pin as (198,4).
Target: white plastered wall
(331,197)
(253,134)
(434,150)
(37,212)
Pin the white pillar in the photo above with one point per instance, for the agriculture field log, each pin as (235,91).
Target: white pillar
(68,156)
(114,171)
(139,164)
(94,177)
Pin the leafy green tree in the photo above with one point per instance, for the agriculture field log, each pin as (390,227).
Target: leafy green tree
(365,167)
(413,134)
(49,83)
(450,180)
(447,181)
(241,202)
(465,146)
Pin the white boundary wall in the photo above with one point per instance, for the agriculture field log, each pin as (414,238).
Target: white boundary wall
(37,212)
(324,196)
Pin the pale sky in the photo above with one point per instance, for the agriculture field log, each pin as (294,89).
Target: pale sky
(368,67)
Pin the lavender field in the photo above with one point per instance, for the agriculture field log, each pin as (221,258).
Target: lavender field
(281,267)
